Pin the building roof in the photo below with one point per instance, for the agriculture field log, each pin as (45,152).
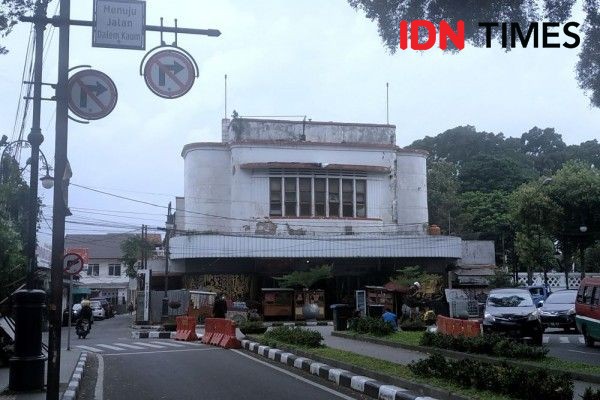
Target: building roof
(106,245)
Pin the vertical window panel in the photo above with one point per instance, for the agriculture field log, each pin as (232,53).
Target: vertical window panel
(276,205)
(304,185)
(361,198)
(320,197)
(290,197)
(334,197)
(347,198)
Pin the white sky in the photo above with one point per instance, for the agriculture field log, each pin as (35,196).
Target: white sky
(316,58)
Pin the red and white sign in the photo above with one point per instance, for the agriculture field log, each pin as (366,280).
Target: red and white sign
(72,263)
(92,94)
(169,74)
(83,252)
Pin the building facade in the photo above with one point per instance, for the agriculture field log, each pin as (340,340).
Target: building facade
(278,196)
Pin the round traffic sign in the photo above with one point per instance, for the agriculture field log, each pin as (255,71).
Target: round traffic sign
(169,74)
(72,263)
(92,94)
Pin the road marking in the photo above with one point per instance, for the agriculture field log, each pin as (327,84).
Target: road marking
(99,392)
(169,344)
(89,348)
(107,346)
(581,340)
(564,339)
(589,353)
(130,346)
(154,346)
(546,339)
(295,376)
(161,351)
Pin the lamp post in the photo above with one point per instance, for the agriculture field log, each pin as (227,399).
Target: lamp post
(583,229)
(169,225)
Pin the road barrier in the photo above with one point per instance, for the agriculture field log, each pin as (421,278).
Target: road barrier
(458,327)
(220,332)
(186,328)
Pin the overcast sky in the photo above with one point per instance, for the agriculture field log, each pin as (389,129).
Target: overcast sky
(316,58)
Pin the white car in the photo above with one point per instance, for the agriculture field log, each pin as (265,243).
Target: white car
(97,310)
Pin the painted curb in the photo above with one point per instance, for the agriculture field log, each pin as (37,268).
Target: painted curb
(298,323)
(457,355)
(75,382)
(153,335)
(341,377)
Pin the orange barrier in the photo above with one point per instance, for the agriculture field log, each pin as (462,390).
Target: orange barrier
(220,332)
(186,328)
(458,327)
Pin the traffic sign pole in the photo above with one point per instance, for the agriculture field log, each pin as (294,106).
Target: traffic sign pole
(69,311)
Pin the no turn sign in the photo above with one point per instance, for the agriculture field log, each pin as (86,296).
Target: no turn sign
(92,94)
(169,74)
(72,263)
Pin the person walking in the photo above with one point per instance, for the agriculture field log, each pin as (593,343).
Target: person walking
(220,306)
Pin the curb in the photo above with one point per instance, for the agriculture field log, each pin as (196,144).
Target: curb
(153,335)
(341,377)
(299,323)
(73,388)
(457,355)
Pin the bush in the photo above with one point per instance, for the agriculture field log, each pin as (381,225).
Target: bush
(369,325)
(591,394)
(498,378)
(494,345)
(295,335)
(252,327)
(413,326)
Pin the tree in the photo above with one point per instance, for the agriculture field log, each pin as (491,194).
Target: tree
(10,12)
(388,14)
(305,279)
(442,194)
(535,251)
(12,259)
(487,173)
(133,249)
(546,148)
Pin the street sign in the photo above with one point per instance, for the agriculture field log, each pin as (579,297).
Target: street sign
(119,24)
(169,73)
(92,94)
(72,263)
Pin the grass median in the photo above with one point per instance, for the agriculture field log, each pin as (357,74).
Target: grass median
(382,367)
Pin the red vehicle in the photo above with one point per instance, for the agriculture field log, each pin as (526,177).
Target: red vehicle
(587,309)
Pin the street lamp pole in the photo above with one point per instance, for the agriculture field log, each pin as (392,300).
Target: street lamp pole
(27,365)
(169,226)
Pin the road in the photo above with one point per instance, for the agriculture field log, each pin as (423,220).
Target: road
(570,347)
(126,369)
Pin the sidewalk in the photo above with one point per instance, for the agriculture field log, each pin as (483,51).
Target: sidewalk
(68,361)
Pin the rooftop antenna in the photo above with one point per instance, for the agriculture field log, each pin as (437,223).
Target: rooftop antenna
(387,102)
(225,96)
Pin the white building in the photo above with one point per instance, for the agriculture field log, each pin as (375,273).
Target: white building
(277,196)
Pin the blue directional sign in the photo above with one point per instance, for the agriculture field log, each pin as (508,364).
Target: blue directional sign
(92,94)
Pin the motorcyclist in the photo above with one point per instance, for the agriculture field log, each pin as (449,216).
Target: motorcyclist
(86,313)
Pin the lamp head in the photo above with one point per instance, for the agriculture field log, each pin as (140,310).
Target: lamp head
(47,181)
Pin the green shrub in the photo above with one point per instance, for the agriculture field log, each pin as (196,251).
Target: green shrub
(498,378)
(413,326)
(295,335)
(369,325)
(252,327)
(494,345)
(591,394)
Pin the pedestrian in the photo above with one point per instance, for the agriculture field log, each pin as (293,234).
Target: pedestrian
(391,318)
(220,306)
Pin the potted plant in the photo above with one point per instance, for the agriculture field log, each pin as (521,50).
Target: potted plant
(306,280)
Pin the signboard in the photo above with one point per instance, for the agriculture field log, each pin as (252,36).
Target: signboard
(92,94)
(119,24)
(72,263)
(169,74)
(83,252)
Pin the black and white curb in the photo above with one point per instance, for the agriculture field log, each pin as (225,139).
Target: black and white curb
(299,323)
(153,335)
(341,377)
(75,382)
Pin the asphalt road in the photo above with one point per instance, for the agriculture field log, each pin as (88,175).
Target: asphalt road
(125,369)
(570,347)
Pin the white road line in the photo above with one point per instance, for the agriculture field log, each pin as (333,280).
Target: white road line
(107,346)
(581,340)
(546,339)
(99,392)
(161,351)
(154,346)
(89,348)
(169,344)
(130,346)
(325,388)
(564,339)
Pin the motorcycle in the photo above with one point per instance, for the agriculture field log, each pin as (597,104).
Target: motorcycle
(82,328)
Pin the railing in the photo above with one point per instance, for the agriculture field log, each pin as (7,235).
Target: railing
(464,309)
(555,279)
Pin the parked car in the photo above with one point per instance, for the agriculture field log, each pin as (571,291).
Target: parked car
(74,314)
(97,310)
(558,310)
(512,312)
(539,294)
(108,308)
(587,309)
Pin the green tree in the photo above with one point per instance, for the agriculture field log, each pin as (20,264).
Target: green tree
(487,173)
(133,249)
(442,194)
(535,251)
(592,258)
(388,14)
(12,259)
(546,149)
(10,12)
(305,279)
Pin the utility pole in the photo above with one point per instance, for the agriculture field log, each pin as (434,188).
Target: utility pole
(27,365)
(168,227)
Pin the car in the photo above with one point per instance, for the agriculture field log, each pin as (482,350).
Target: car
(539,294)
(512,312)
(587,310)
(558,310)
(76,309)
(97,310)
(108,308)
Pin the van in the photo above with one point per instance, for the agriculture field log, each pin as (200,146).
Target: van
(587,310)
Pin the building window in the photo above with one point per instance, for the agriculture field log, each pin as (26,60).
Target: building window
(93,269)
(114,269)
(275,196)
(304,196)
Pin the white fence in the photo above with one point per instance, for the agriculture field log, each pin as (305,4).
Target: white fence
(555,279)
